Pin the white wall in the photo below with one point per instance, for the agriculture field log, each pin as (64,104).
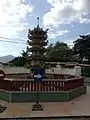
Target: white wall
(61,71)
(10,69)
(71,71)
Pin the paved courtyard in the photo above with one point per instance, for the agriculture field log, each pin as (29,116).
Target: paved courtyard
(78,106)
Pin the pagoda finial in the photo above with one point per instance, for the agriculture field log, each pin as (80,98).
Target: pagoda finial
(37,21)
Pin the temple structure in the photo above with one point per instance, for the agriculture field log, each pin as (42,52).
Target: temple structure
(37,40)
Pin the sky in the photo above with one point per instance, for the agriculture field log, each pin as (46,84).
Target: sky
(66,20)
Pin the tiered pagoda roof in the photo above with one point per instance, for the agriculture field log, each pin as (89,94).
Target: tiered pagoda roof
(37,40)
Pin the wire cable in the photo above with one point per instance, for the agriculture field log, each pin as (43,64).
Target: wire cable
(12,39)
(19,41)
(12,42)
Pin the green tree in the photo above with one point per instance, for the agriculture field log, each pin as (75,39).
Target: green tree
(59,52)
(82,47)
(24,54)
(21,60)
(18,61)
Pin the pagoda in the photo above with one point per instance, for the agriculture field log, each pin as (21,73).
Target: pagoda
(37,40)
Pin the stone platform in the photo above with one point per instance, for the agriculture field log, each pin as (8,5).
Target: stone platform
(43,96)
(77,107)
(62,87)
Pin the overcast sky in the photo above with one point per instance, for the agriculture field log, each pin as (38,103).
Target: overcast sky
(66,20)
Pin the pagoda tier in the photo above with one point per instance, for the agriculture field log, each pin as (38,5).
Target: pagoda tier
(35,62)
(35,57)
(35,37)
(36,49)
(40,43)
(38,32)
(29,59)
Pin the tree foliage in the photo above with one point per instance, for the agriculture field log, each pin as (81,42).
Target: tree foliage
(59,52)
(18,61)
(82,47)
(21,60)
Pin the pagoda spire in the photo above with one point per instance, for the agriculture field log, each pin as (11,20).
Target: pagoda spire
(37,22)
